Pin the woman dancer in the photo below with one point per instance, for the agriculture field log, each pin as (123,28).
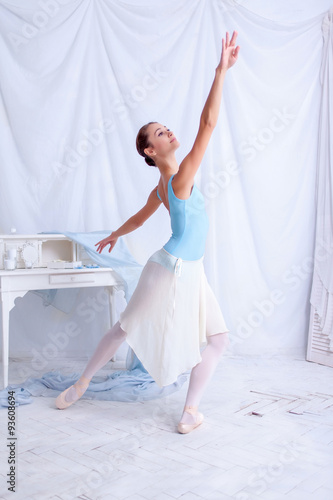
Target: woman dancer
(173,310)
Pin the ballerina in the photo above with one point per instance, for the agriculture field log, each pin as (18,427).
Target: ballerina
(173,310)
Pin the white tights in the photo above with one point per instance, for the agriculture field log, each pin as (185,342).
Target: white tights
(106,348)
(203,371)
(200,374)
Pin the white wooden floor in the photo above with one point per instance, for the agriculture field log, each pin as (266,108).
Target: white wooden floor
(267,434)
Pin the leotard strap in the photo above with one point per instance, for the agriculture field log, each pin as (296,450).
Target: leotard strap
(158,194)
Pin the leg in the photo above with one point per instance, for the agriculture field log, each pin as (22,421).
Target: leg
(106,348)
(202,373)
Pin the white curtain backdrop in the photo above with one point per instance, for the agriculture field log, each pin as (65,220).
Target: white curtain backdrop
(79,77)
(322,287)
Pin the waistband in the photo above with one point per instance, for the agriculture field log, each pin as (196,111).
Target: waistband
(171,262)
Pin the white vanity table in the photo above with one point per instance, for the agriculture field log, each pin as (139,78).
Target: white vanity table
(48,247)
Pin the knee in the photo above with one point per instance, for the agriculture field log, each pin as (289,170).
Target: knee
(224,341)
(119,333)
(220,342)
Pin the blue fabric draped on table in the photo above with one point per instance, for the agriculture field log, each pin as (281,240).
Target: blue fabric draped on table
(132,384)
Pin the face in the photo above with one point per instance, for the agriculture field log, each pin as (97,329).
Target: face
(162,140)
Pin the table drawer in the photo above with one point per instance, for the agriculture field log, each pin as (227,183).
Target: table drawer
(72,278)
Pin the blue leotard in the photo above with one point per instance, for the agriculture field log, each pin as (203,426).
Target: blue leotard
(189,224)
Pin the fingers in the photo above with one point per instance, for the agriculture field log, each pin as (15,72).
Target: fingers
(100,247)
(228,42)
(103,245)
(233,38)
(100,243)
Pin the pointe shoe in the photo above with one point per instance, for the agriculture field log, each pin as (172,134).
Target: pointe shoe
(186,428)
(61,402)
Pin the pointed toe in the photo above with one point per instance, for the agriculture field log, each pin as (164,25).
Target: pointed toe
(80,388)
(61,402)
(186,428)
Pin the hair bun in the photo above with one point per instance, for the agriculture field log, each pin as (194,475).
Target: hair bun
(150,161)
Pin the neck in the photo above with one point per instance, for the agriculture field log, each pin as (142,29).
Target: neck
(167,166)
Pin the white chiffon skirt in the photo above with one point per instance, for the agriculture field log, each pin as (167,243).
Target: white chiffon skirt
(169,316)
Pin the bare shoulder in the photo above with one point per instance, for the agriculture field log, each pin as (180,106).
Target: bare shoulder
(153,196)
(154,191)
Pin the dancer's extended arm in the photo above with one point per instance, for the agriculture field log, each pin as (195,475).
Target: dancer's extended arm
(153,202)
(183,180)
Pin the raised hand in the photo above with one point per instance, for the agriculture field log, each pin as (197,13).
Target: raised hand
(110,240)
(229,51)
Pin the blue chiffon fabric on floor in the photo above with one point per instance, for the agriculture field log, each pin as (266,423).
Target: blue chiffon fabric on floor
(131,384)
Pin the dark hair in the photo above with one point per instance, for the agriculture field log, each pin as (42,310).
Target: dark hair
(142,143)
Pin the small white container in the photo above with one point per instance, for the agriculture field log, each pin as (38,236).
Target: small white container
(12,253)
(10,264)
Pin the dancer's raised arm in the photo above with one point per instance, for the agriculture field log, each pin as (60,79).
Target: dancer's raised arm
(183,180)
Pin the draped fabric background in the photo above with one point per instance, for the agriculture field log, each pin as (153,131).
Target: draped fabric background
(79,77)
(322,287)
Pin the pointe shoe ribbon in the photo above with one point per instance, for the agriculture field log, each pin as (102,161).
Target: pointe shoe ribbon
(80,387)
(186,428)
